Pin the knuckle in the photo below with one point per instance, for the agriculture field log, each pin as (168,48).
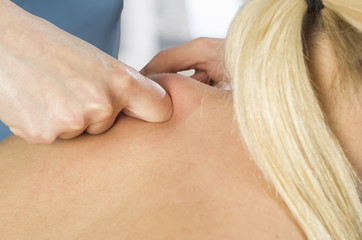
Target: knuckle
(105,112)
(205,42)
(100,112)
(71,121)
(162,56)
(44,137)
(122,79)
(127,83)
(91,89)
(201,40)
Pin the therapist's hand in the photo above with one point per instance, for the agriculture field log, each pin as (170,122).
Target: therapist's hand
(204,55)
(54,84)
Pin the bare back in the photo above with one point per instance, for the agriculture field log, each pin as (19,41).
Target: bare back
(188,178)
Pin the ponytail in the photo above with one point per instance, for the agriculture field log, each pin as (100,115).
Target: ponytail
(281,121)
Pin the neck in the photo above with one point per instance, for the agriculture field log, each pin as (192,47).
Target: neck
(343,115)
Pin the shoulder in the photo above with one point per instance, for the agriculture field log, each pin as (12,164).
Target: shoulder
(188,178)
(188,94)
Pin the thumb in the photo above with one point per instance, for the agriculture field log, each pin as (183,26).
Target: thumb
(147,100)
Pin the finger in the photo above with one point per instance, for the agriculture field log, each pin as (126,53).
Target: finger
(98,120)
(146,99)
(100,127)
(183,57)
(71,135)
(45,137)
(70,127)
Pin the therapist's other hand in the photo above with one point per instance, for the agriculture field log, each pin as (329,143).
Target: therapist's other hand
(54,84)
(204,55)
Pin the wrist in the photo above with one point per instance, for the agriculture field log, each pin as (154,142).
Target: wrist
(15,27)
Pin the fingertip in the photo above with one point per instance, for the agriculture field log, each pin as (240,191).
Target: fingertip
(165,111)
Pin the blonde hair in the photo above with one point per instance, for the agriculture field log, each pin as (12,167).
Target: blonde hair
(279,115)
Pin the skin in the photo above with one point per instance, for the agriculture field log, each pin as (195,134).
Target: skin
(204,55)
(343,114)
(55,84)
(188,178)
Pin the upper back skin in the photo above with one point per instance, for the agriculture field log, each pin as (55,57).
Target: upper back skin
(188,178)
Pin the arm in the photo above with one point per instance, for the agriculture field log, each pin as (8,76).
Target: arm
(54,84)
